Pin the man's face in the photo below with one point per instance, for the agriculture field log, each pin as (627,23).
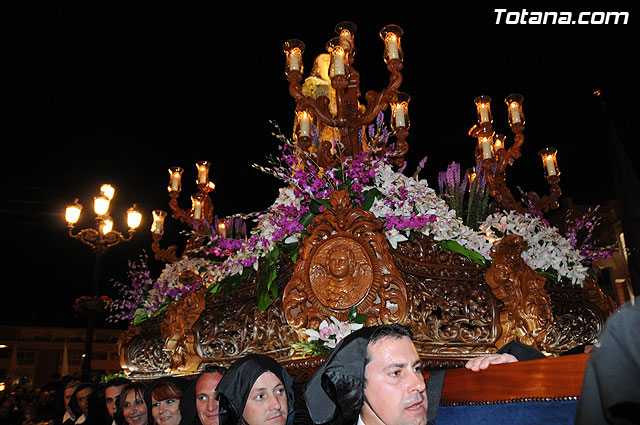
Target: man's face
(111,396)
(394,385)
(267,402)
(83,399)
(68,392)
(206,398)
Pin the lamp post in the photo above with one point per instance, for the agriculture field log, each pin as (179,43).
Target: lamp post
(100,238)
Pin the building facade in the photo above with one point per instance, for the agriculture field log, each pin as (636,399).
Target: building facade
(30,356)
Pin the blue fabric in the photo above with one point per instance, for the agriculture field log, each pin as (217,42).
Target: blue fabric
(521,413)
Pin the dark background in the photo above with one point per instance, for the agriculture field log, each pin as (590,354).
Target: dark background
(118,95)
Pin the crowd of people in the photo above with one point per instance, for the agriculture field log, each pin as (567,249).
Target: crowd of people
(254,390)
(373,376)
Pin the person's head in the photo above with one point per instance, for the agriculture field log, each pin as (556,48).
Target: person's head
(206,397)
(132,405)
(83,394)
(112,391)
(375,372)
(82,397)
(256,389)
(67,394)
(165,397)
(394,388)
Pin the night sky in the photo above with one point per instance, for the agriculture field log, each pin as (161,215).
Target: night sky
(119,95)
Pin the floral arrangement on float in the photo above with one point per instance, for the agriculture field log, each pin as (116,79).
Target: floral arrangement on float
(321,341)
(456,216)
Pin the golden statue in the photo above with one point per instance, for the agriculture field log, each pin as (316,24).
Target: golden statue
(318,84)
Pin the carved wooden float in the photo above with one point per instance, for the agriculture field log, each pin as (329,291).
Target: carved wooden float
(456,309)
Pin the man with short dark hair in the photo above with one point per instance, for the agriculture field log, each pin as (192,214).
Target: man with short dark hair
(69,416)
(206,397)
(373,376)
(112,390)
(394,388)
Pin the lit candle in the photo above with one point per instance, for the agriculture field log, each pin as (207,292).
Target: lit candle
(338,62)
(175,175)
(157,227)
(498,142)
(515,113)
(484,113)
(392,46)
(175,181)
(400,120)
(222,230)
(197,209)
(345,39)
(294,59)
(305,126)
(485,145)
(203,172)
(550,165)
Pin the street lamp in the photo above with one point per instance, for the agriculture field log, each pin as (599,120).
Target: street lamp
(100,238)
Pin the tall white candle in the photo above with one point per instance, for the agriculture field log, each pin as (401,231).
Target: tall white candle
(203,174)
(515,113)
(400,119)
(345,39)
(197,210)
(305,127)
(550,164)
(485,144)
(156,228)
(338,64)
(175,181)
(294,60)
(484,113)
(392,46)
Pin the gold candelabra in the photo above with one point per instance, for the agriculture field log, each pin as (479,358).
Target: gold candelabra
(100,238)
(340,109)
(492,153)
(201,211)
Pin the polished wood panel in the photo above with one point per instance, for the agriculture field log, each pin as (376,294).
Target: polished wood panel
(550,378)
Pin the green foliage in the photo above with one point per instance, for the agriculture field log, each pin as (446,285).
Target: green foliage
(472,255)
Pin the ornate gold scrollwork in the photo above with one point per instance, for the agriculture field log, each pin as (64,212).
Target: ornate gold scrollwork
(179,338)
(526,315)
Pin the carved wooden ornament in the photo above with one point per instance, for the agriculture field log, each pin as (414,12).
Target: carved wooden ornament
(179,338)
(344,262)
(526,316)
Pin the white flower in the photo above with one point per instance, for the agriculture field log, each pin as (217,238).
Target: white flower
(332,332)
(548,248)
(394,236)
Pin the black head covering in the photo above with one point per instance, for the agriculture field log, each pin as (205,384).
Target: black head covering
(337,387)
(235,385)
